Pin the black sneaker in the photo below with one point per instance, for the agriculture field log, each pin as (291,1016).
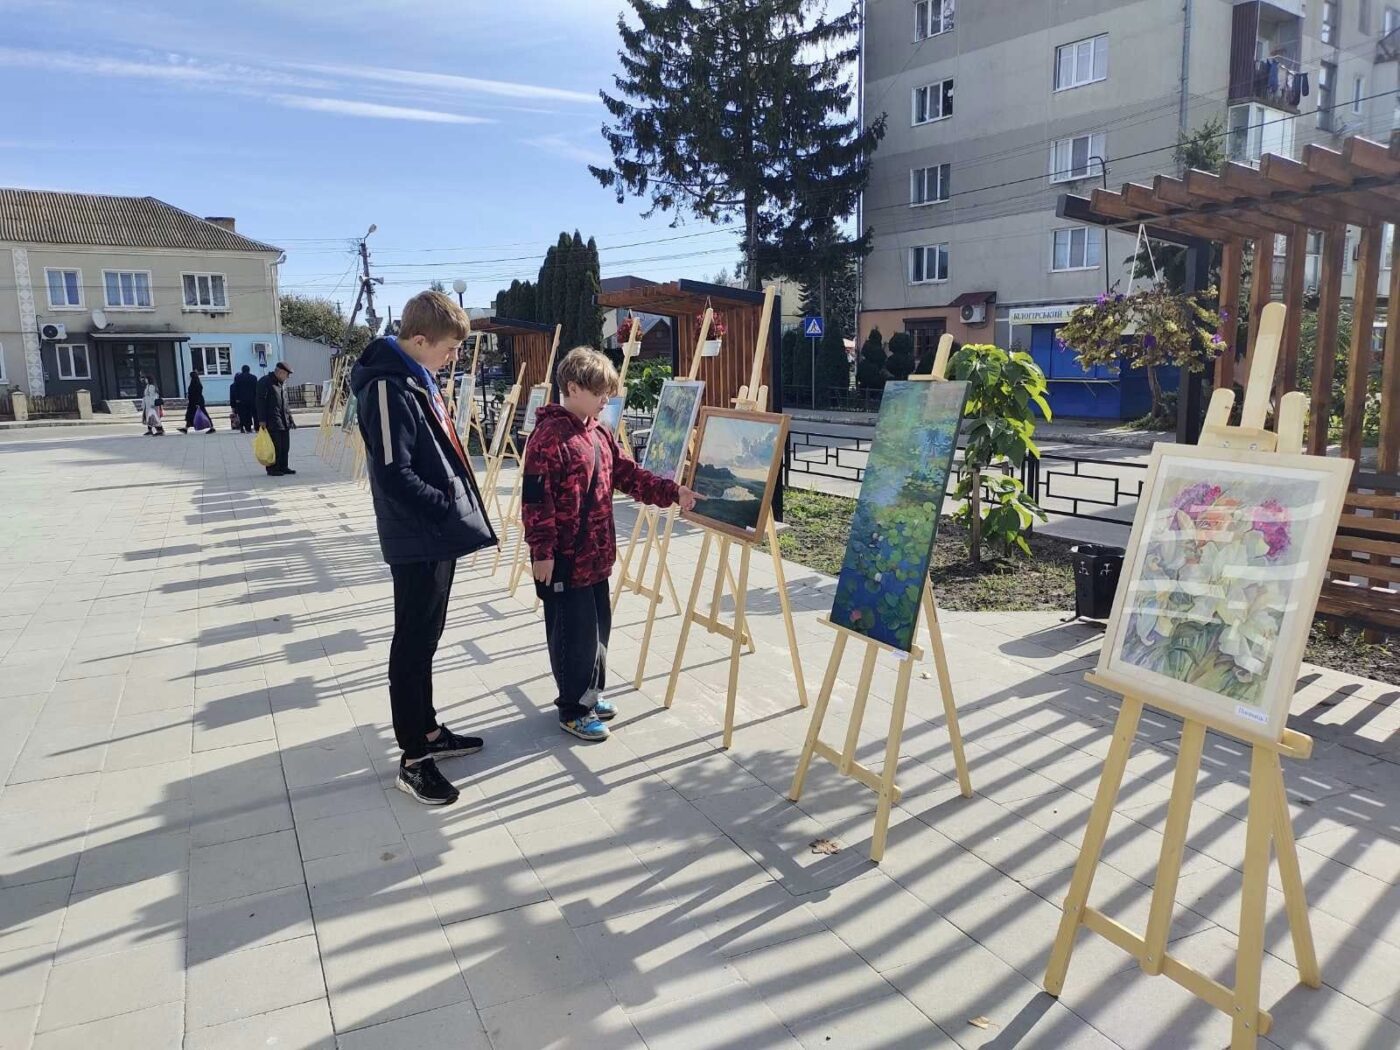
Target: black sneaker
(450,745)
(425,783)
(288,470)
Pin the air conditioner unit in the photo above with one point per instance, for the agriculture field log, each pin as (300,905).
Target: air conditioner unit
(53,331)
(974,314)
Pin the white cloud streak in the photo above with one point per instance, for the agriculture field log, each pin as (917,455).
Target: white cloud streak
(451,82)
(353,108)
(562,147)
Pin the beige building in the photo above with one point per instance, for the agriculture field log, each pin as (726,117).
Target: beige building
(97,291)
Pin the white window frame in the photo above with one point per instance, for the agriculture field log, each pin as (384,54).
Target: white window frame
(920,252)
(1312,260)
(1088,233)
(1091,46)
(196,307)
(1390,21)
(938,90)
(2,363)
(1065,171)
(70,372)
(48,287)
(924,14)
(1358,94)
(1327,26)
(223,356)
(919,185)
(1387,244)
(133,274)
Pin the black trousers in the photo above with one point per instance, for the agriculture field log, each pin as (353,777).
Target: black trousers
(245,416)
(577,623)
(421,592)
(282,442)
(190,409)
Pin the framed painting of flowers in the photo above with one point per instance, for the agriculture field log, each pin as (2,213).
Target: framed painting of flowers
(1220,583)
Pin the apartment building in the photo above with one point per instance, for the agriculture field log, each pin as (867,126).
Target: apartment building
(996,107)
(98,291)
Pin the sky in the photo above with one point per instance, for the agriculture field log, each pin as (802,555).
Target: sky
(460,128)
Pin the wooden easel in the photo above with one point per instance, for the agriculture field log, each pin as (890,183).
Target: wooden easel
(1268,820)
(473,414)
(330,411)
(882,783)
(520,556)
(502,445)
(750,399)
(630,350)
(655,537)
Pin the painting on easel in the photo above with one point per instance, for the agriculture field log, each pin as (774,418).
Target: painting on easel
(351,416)
(1221,580)
(533,404)
(891,544)
(466,390)
(676,410)
(737,457)
(611,417)
(503,421)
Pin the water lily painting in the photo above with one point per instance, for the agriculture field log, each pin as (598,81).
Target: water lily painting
(892,532)
(737,458)
(1221,581)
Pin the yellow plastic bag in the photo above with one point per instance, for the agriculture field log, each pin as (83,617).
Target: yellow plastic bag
(263,451)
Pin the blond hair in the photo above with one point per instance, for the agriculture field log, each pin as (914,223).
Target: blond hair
(433,316)
(588,368)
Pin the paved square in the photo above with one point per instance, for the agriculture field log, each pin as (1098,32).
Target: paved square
(201,846)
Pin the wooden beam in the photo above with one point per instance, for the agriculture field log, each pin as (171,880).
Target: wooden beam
(1260,288)
(1334,244)
(1110,204)
(1388,461)
(1231,267)
(1371,158)
(1286,371)
(1289,174)
(1220,224)
(1359,359)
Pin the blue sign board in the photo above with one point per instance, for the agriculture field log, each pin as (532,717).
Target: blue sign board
(812,327)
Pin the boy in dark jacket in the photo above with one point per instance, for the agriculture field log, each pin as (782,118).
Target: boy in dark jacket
(572,466)
(429,513)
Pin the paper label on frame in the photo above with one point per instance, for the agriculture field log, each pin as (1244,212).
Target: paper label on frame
(1253,714)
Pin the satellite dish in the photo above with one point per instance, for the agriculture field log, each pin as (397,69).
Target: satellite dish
(99,320)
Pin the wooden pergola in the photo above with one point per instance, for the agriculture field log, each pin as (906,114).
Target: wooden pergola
(1327,191)
(684,301)
(530,342)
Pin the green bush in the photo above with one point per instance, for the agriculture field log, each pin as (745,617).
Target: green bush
(901,359)
(870,372)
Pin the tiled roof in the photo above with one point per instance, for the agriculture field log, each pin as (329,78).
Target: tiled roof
(47,217)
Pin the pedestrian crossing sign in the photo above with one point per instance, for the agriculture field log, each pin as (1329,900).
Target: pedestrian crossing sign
(812,327)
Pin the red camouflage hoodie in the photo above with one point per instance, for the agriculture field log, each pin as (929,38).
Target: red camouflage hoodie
(558,460)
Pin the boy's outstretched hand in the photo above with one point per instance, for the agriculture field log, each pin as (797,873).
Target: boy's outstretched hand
(543,570)
(686,498)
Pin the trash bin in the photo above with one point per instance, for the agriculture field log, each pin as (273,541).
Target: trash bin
(1096,571)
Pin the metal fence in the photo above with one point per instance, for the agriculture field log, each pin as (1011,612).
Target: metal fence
(53,406)
(836,399)
(7,408)
(1065,486)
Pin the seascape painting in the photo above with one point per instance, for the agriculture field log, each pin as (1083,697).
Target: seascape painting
(676,410)
(611,418)
(891,543)
(466,390)
(737,458)
(1222,578)
(538,393)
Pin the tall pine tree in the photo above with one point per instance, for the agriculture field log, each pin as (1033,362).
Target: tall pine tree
(743,109)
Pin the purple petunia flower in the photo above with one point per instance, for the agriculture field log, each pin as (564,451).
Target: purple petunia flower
(1149,341)
(1224,315)
(1272,522)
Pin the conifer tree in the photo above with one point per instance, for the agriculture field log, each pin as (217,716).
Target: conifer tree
(870,372)
(743,109)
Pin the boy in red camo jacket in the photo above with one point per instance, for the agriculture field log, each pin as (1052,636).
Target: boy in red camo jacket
(572,467)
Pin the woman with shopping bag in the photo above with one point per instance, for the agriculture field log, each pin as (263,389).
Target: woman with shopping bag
(196,411)
(151,403)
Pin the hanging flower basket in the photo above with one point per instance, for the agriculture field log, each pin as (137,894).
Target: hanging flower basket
(711,346)
(624,330)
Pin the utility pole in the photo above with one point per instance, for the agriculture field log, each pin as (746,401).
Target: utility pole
(366,292)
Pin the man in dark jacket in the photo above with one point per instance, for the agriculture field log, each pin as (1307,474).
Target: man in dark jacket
(242,395)
(275,417)
(429,513)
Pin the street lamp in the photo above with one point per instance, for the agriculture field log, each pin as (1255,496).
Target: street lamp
(460,287)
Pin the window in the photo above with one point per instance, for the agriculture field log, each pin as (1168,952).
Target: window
(928,185)
(1392,21)
(1312,261)
(72,361)
(1077,248)
(927,263)
(933,101)
(212,360)
(65,289)
(127,289)
(1256,130)
(1080,63)
(1326,95)
(205,291)
(1076,158)
(2,362)
(932,17)
(1349,250)
(1329,22)
(1363,16)
(1387,244)
(1358,94)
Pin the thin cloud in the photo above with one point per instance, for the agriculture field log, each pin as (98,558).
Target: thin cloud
(453,82)
(353,108)
(562,147)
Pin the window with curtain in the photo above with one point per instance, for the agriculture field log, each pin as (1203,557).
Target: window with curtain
(127,289)
(1077,248)
(928,263)
(205,291)
(1082,62)
(65,289)
(933,101)
(1074,158)
(928,185)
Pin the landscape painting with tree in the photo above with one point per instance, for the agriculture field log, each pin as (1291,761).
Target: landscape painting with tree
(891,543)
(737,457)
(670,429)
(1221,581)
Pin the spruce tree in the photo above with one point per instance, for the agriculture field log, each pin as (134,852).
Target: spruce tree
(870,372)
(833,297)
(742,109)
(591,325)
(576,279)
(833,366)
(792,368)
(901,358)
(544,289)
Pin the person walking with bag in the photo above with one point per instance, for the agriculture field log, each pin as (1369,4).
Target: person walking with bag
(275,417)
(242,394)
(196,410)
(151,403)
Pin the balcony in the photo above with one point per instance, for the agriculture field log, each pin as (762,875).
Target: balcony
(1264,56)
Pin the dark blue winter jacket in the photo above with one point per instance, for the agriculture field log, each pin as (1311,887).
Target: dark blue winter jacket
(426,501)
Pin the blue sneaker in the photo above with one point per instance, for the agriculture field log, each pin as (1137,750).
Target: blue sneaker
(586,728)
(604,710)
